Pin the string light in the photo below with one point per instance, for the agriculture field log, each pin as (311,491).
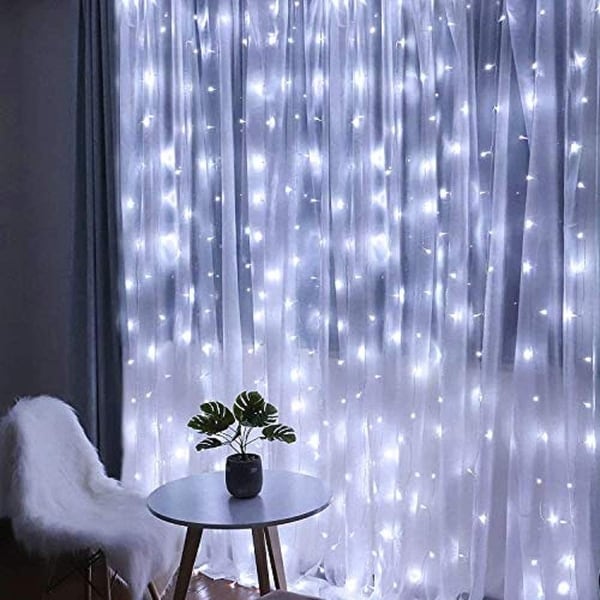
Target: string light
(371,250)
(563,588)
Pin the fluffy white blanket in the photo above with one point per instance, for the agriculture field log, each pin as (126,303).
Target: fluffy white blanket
(54,489)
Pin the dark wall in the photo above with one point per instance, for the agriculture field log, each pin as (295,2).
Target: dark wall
(38,65)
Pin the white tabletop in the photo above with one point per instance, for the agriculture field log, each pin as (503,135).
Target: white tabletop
(203,501)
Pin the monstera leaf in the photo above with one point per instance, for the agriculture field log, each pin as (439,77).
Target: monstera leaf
(214,418)
(210,442)
(225,427)
(251,410)
(280,433)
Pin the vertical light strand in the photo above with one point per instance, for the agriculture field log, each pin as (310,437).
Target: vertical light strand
(578,294)
(498,177)
(538,474)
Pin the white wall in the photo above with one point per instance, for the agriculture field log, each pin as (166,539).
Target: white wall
(38,51)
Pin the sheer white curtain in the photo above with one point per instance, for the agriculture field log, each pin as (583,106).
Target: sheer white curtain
(384,216)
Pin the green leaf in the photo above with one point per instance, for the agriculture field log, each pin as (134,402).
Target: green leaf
(207,443)
(280,433)
(251,410)
(214,418)
(194,423)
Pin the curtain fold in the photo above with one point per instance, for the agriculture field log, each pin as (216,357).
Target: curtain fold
(384,216)
(96,340)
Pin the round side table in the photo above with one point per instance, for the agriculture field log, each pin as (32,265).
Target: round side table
(202,502)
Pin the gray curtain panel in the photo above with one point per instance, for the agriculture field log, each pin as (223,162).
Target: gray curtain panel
(58,325)
(96,340)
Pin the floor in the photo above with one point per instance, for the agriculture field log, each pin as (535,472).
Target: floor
(23,578)
(203,588)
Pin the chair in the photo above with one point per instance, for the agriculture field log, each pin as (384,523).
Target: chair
(55,492)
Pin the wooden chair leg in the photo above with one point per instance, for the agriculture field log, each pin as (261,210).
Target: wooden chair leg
(88,581)
(50,568)
(100,579)
(153,591)
(275,557)
(190,549)
(105,576)
(260,556)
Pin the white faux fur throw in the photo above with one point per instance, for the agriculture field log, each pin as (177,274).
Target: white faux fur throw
(54,489)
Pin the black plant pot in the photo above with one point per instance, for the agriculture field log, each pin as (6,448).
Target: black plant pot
(244,475)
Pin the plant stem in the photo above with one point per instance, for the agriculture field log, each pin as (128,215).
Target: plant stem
(246,443)
(228,440)
(243,442)
(223,437)
(233,430)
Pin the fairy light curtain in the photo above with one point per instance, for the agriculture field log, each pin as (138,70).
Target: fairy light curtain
(384,216)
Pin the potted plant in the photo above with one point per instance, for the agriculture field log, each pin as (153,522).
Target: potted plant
(234,428)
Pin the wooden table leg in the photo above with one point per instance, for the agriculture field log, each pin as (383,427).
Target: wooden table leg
(260,556)
(275,557)
(190,549)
